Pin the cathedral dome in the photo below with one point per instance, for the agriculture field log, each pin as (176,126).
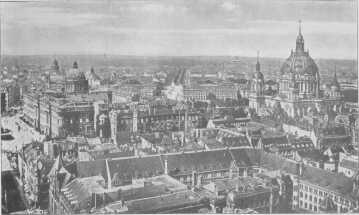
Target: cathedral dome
(299,62)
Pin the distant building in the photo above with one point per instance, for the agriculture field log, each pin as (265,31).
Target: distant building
(93,79)
(72,81)
(219,91)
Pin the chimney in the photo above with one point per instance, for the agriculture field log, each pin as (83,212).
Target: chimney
(194,178)
(245,172)
(300,167)
(109,181)
(166,166)
(199,180)
(356,183)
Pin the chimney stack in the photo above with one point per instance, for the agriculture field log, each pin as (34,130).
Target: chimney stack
(194,179)
(166,166)
(300,167)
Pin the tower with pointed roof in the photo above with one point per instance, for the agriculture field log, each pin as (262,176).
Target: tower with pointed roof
(256,97)
(300,41)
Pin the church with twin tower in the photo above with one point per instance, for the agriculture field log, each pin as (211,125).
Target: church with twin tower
(299,86)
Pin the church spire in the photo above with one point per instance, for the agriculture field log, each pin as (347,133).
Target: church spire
(300,41)
(335,79)
(258,66)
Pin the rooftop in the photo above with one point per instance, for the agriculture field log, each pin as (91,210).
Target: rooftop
(164,202)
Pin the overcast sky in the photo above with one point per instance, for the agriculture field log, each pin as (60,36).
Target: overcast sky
(179,27)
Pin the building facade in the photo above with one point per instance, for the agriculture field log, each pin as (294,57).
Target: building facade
(58,116)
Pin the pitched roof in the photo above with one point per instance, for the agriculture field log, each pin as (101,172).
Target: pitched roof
(328,180)
(185,163)
(273,162)
(314,155)
(163,203)
(136,167)
(246,157)
(90,168)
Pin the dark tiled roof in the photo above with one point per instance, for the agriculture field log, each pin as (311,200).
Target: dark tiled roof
(163,203)
(278,140)
(274,162)
(314,154)
(231,140)
(136,167)
(185,163)
(246,157)
(328,180)
(91,168)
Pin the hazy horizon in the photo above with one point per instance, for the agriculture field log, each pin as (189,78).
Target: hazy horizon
(165,56)
(180,28)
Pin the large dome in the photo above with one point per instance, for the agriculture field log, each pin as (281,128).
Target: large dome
(299,73)
(299,63)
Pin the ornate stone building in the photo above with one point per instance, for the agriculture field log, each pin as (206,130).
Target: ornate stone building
(299,87)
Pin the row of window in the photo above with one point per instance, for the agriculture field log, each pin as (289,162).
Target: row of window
(308,206)
(188,178)
(320,193)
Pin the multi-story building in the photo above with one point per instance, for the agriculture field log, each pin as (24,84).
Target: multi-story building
(153,120)
(301,186)
(299,87)
(10,95)
(201,92)
(33,167)
(72,81)
(57,116)
(245,192)
(349,163)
